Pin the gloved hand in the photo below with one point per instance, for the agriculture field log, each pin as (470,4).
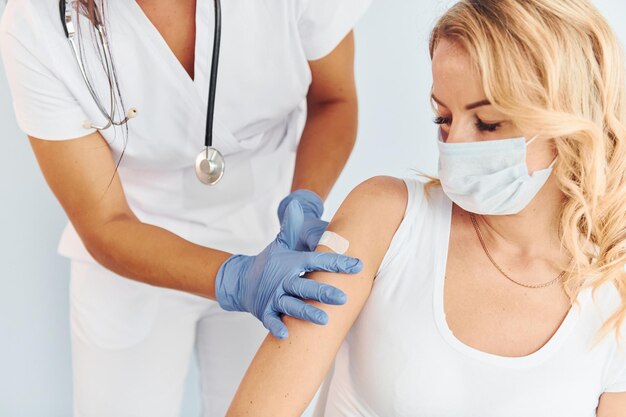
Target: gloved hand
(270,284)
(314,226)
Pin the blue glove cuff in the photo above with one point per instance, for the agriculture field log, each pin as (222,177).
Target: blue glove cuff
(227,284)
(311,203)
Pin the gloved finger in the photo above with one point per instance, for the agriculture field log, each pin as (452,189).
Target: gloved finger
(330,262)
(313,234)
(292,225)
(274,324)
(307,289)
(311,203)
(301,310)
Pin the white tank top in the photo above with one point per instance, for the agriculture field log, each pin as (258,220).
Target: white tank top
(401,359)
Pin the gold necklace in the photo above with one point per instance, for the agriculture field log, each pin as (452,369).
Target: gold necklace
(482,242)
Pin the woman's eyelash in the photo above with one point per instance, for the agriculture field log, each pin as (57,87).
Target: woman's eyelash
(442,120)
(480,125)
(486,127)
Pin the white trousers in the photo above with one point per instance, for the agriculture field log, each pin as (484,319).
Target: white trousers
(132,344)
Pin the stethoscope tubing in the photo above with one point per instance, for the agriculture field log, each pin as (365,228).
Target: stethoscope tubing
(209,171)
(214,69)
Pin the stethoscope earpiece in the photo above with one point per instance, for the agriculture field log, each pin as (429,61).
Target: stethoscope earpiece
(131,113)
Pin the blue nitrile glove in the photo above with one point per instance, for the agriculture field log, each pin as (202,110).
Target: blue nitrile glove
(270,284)
(314,226)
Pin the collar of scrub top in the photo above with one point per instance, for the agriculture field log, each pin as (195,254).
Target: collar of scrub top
(210,164)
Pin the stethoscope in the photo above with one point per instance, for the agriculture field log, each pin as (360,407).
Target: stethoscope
(210,164)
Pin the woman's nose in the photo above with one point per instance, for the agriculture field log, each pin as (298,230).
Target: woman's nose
(457,134)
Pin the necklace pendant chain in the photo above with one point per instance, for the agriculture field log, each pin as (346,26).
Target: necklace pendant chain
(482,243)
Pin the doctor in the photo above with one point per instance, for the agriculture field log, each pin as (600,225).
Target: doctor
(150,245)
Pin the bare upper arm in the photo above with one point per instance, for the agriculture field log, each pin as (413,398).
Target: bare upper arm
(368,218)
(79,172)
(612,404)
(333,75)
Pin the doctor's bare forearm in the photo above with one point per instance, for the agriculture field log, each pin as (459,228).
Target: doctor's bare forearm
(83,176)
(325,147)
(331,127)
(155,256)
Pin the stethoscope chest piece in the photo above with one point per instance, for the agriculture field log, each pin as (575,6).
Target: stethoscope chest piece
(210,166)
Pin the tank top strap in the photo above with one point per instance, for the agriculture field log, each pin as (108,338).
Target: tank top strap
(414,212)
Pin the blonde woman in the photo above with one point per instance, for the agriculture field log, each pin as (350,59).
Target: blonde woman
(492,292)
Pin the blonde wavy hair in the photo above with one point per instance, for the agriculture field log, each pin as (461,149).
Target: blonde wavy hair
(556,66)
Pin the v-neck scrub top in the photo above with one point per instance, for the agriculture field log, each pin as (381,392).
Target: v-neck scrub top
(260,107)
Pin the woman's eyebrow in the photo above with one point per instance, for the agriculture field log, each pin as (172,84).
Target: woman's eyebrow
(438,101)
(477,104)
(468,107)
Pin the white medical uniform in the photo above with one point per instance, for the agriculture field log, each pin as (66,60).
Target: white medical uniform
(401,359)
(132,342)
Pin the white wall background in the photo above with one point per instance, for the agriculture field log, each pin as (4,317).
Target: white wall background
(396,135)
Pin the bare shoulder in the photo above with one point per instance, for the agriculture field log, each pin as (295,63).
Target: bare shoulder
(370,216)
(391,188)
(381,200)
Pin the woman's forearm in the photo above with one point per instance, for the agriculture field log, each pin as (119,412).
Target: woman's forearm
(285,374)
(269,388)
(153,255)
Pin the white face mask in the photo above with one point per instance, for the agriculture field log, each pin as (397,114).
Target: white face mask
(489,177)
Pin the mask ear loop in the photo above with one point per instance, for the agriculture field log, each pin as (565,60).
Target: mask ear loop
(532,140)
(555,158)
(553,162)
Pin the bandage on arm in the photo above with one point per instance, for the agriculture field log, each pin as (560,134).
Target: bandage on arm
(335,242)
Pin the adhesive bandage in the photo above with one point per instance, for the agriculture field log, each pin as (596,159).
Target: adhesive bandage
(334,242)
